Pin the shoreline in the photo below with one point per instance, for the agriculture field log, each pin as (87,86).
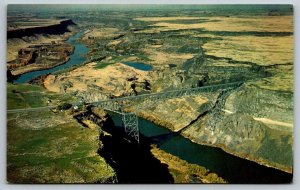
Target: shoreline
(39,69)
(25,71)
(17,73)
(175,164)
(249,158)
(259,161)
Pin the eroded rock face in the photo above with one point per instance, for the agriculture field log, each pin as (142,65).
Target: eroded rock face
(171,79)
(243,126)
(262,103)
(59,28)
(92,95)
(252,123)
(38,51)
(174,114)
(100,113)
(232,130)
(242,135)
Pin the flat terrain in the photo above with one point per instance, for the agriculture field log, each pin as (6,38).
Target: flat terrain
(21,22)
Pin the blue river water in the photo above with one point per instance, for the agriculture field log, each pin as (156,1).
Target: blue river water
(75,59)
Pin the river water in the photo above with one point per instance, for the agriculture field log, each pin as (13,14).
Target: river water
(231,168)
(75,59)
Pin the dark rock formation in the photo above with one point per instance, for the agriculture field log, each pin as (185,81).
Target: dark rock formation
(10,76)
(55,29)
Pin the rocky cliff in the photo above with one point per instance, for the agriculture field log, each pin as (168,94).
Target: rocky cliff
(54,29)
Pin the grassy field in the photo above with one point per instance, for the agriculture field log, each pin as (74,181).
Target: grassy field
(47,147)
(31,96)
(65,153)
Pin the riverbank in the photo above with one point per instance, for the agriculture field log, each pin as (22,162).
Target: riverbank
(184,172)
(77,57)
(207,137)
(240,155)
(31,68)
(41,53)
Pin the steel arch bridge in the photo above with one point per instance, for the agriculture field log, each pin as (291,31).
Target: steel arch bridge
(130,120)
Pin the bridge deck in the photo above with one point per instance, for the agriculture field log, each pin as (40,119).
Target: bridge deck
(165,94)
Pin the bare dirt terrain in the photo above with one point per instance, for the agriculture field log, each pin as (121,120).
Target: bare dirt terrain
(112,80)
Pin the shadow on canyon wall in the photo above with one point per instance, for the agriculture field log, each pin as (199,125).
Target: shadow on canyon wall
(132,162)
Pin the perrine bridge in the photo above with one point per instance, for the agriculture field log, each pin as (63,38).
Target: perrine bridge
(130,119)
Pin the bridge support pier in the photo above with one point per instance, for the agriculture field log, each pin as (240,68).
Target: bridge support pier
(130,122)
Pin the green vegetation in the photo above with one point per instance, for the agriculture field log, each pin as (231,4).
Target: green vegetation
(101,65)
(24,96)
(48,147)
(276,147)
(184,172)
(31,96)
(64,106)
(143,57)
(65,153)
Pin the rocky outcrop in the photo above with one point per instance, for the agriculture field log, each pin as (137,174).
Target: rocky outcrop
(241,135)
(92,95)
(261,103)
(54,29)
(10,76)
(40,57)
(249,125)
(175,114)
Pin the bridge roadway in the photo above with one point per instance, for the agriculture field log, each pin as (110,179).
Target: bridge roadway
(117,103)
(30,109)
